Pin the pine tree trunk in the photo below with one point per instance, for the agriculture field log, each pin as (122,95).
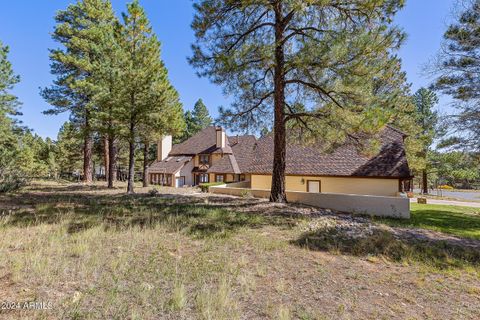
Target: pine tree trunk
(424,182)
(112,164)
(87,151)
(106,157)
(145,164)
(131,160)
(277,193)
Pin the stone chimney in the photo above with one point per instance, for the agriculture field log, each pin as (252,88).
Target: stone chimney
(220,137)
(164,147)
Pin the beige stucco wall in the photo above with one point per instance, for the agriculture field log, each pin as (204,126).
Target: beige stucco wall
(382,206)
(364,186)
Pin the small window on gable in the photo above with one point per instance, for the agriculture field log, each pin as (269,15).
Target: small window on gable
(204,158)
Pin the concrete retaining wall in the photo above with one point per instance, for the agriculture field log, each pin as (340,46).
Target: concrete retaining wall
(359,204)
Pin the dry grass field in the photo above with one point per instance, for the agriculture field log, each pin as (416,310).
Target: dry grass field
(95,253)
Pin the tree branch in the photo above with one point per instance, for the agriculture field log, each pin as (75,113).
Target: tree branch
(315,87)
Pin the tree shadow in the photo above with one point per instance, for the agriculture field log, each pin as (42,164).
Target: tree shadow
(208,216)
(448,221)
(396,246)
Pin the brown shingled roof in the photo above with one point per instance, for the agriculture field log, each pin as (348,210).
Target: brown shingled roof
(170,165)
(204,142)
(246,154)
(227,164)
(243,150)
(391,161)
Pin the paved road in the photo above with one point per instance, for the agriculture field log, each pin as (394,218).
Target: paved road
(451,203)
(462,195)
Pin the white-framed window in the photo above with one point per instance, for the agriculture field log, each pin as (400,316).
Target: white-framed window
(219,178)
(203,177)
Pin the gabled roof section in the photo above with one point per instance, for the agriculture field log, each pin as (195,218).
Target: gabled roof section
(227,164)
(204,142)
(243,150)
(390,162)
(170,165)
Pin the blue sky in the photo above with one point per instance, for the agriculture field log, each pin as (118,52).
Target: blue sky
(25,26)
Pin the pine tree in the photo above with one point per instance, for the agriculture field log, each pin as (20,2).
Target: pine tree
(197,120)
(201,117)
(68,146)
(457,68)
(9,106)
(275,55)
(149,101)
(165,117)
(427,119)
(106,81)
(189,125)
(79,29)
(9,103)
(11,177)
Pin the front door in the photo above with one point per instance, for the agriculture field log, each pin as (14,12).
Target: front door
(313,186)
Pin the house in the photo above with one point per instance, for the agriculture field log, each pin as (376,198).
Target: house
(212,156)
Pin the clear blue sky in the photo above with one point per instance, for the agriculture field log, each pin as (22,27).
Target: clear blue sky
(25,26)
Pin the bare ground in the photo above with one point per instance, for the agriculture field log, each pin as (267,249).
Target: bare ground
(95,253)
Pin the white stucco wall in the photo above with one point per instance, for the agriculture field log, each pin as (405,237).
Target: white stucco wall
(186,171)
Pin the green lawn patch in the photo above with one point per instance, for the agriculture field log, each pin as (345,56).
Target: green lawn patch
(459,221)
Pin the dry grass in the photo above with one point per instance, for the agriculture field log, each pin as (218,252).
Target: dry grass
(97,254)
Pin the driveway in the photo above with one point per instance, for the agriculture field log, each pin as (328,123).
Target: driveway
(450,203)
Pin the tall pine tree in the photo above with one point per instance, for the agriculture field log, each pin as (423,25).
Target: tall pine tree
(10,176)
(197,120)
(78,29)
(149,102)
(274,56)
(427,119)
(106,83)
(165,117)
(457,67)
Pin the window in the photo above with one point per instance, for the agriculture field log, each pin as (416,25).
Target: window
(204,159)
(219,177)
(203,177)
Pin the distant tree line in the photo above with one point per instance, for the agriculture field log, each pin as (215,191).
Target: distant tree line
(324,70)
(110,79)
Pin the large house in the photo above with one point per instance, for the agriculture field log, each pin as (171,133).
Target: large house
(212,156)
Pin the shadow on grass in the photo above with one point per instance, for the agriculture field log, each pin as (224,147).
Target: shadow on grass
(200,217)
(382,243)
(460,221)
